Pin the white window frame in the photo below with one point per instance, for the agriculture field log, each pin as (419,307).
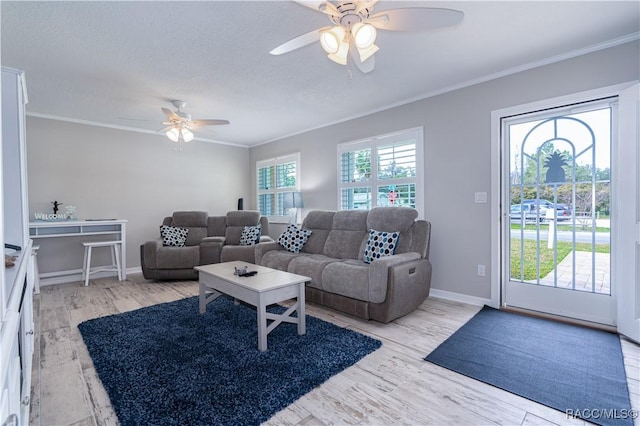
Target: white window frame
(295,158)
(373,143)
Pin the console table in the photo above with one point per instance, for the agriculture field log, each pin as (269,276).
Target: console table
(80,228)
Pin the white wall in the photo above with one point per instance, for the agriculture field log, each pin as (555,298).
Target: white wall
(457,130)
(109,173)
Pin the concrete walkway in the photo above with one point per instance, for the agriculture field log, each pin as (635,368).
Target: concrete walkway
(584,278)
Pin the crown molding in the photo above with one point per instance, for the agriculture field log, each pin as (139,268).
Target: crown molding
(509,71)
(125,128)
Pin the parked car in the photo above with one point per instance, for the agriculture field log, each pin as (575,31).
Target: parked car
(531,212)
(563,211)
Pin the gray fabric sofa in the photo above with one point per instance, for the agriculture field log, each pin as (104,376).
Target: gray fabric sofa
(383,290)
(211,239)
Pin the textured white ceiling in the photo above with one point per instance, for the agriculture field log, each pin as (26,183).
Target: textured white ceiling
(117,63)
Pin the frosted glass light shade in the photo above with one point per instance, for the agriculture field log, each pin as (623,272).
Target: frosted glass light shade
(331,39)
(173,134)
(187,136)
(366,53)
(364,35)
(180,135)
(340,55)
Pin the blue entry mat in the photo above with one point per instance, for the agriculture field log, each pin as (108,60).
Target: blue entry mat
(169,365)
(573,369)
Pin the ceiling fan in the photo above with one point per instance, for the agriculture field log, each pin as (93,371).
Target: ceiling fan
(353,30)
(179,123)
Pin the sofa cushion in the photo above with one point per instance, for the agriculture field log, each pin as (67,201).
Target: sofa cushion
(279,259)
(311,266)
(190,219)
(195,222)
(349,278)
(380,244)
(293,238)
(243,218)
(320,222)
(345,238)
(236,221)
(250,235)
(173,236)
(420,233)
(195,236)
(241,253)
(216,225)
(178,257)
(402,220)
(391,219)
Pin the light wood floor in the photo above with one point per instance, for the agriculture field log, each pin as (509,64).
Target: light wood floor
(393,385)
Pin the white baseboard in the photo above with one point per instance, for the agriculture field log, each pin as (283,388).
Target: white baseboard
(75,275)
(459,297)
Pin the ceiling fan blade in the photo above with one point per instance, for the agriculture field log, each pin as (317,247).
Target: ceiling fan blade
(298,42)
(365,4)
(415,19)
(207,122)
(170,114)
(135,119)
(165,129)
(364,67)
(320,6)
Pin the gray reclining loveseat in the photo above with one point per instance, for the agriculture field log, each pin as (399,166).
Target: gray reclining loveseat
(210,239)
(333,256)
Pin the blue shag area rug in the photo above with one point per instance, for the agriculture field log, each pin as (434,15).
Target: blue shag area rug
(577,370)
(169,365)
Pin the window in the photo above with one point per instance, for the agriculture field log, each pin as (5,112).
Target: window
(381,171)
(275,177)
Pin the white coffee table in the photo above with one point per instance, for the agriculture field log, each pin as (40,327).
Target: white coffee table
(268,286)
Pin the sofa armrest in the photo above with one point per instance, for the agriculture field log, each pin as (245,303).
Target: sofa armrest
(379,273)
(263,248)
(408,287)
(212,240)
(150,252)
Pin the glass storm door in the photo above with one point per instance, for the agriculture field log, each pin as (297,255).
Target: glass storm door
(558,216)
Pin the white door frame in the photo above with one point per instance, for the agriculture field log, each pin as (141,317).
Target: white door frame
(497,249)
(627,264)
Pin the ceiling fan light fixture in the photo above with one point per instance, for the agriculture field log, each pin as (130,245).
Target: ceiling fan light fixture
(340,56)
(355,26)
(368,52)
(177,134)
(364,35)
(332,39)
(173,134)
(187,135)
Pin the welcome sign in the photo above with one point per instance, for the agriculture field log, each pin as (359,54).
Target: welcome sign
(69,214)
(51,216)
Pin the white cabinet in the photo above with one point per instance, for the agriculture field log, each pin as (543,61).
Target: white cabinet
(16,283)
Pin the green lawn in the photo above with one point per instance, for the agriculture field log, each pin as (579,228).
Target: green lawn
(560,227)
(546,256)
